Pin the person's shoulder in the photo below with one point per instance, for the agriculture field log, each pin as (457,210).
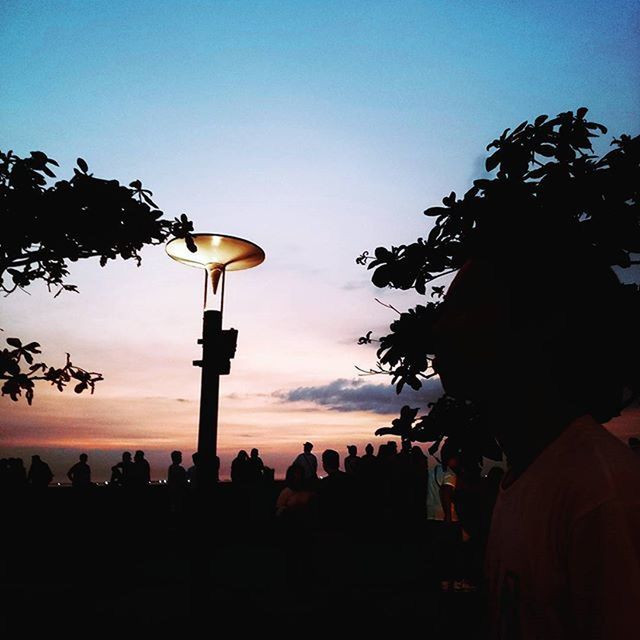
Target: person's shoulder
(596,466)
(586,442)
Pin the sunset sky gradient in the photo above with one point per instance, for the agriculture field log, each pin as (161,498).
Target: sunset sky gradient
(317,130)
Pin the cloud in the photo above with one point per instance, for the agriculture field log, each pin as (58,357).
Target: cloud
(167,399)
(356,395)
(353,285)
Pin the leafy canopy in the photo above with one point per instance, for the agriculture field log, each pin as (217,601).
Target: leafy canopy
(45,227)
(547,177)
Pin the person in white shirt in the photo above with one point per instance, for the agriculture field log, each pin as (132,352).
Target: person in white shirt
(441,487)
(446,533)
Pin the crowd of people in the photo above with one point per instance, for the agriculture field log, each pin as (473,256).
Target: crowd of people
(398,485)
(14,474)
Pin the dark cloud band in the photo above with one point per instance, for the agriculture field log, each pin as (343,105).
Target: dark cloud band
(357,395)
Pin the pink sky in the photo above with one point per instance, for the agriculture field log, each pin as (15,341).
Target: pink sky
(315,130)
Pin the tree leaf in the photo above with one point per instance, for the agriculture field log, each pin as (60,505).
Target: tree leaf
(492,161)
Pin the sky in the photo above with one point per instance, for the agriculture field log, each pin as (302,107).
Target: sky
(317,130)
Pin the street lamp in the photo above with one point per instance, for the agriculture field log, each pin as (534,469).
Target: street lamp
(216,254)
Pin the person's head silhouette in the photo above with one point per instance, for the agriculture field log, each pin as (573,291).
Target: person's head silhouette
(176,457)
(330,461)
(504,344)
(294,478)
(449,455)
(307,447)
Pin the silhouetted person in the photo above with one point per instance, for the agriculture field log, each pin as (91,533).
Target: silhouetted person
(470,507)
(419,481)
(308,462)
(352,461)
(40,474)
(563,557)
(255,466)
(80,473)
(241,468)
(402,490)
(442,485)
(368,464)
(336,497)
(140,471)
(204,474)
(369,478)
(16,474)
(387,478)
(441,511)
(192,472)
(121,472)
(296,515)
(177,484)
(296,501)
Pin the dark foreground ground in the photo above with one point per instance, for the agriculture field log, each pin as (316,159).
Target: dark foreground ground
(107,564)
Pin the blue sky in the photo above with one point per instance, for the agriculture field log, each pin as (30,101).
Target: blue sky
(317,130)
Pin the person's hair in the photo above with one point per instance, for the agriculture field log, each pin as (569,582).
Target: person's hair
(84,457)
(352,449)
(254,451)
(331,459)
(294,478)
(448,451)
(369,449)
(591,319)
(176,456)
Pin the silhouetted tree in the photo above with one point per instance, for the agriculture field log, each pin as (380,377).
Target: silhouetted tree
(44,227)
(547,182)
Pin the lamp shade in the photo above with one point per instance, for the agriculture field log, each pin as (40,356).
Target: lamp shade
(213,249)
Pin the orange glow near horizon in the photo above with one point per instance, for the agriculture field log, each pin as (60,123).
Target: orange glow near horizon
(277,429)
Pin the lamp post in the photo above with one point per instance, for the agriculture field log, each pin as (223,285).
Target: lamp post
(216,254)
